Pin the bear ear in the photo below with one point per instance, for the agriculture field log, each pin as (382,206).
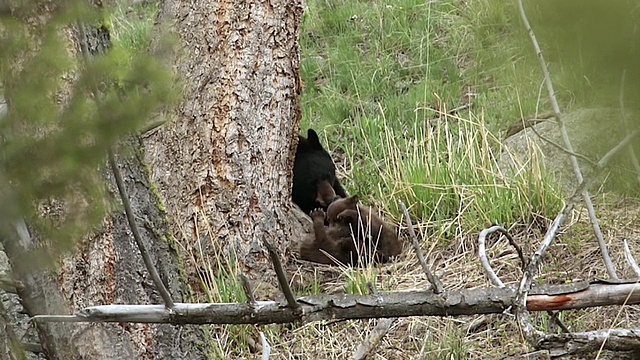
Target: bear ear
(312,138)
(353,199)
(302,141)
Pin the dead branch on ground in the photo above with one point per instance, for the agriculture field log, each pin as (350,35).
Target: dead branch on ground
(436,284)
(578,295)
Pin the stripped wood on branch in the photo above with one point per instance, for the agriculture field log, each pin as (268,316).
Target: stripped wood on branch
(482,253)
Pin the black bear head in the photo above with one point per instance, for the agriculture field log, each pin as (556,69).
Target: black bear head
(314,175)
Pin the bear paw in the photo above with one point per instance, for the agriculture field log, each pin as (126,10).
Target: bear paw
(317,214)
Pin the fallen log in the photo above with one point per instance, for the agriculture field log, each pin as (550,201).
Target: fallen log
(343,306)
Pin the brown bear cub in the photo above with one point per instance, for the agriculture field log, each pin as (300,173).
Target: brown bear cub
(354,236)
(331,244)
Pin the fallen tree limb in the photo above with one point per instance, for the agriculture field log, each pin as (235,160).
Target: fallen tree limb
(342,306)
(573,343)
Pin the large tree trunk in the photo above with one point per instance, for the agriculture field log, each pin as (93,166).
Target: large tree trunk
(223,165)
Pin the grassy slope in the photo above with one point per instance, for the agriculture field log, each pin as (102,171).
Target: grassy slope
(379,78)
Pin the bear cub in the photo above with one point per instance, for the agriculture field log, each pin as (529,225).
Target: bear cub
(334,239)
(314,175)
(354,235)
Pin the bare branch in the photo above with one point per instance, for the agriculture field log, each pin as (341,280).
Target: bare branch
(562,148)
(371,342)
(266,348)
(565,137)
(483,254)
(282,278)
(435,282)
(345,306)
(155,276)
(632,262)
(621,145)
(586,342)
(556,320)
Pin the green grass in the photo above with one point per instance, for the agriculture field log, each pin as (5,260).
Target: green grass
(376,75)
(131,25)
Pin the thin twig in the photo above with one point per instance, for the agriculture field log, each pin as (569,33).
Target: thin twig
(450,113)
(562,148)
(554,316)
(565,137)
(369,344)
(482,253)
(616,149)
(151,126)
(435,282)
(248,291)
(512,241)
(632,262)
(155,276)
(266,348)
(632,152)
(282,278)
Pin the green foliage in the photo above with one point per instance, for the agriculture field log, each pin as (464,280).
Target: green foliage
(447,344)
(131,26)
(64,109)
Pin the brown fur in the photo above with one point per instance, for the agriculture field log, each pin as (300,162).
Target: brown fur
(326,194)
(353,234)
(369,229)
(333,239)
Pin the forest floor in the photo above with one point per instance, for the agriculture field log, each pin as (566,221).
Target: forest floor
(413,99)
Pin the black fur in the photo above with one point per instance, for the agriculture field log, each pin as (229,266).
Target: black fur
(314,175)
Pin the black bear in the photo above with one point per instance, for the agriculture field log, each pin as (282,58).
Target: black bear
(314,175)
(354,236)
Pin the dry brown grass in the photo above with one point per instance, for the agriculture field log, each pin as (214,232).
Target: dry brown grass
(573,256)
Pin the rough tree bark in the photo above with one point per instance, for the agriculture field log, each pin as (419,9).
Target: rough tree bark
(223,165)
